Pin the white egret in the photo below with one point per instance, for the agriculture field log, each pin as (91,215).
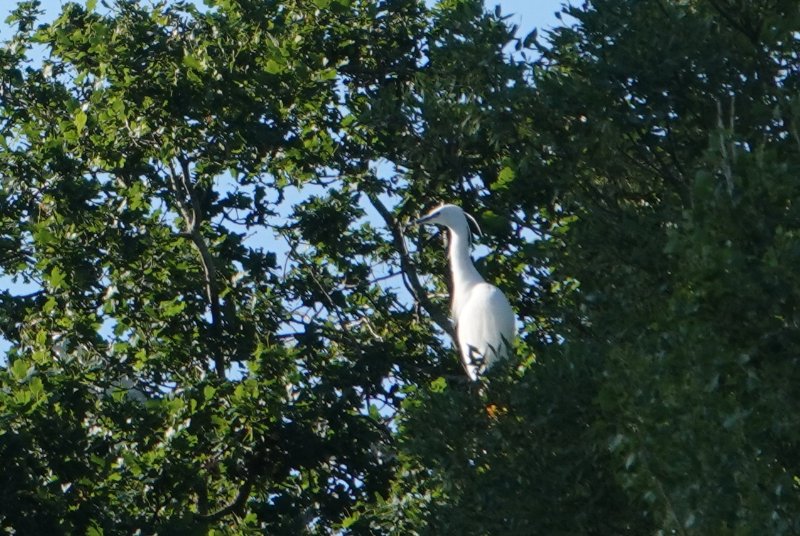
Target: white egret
(484,320)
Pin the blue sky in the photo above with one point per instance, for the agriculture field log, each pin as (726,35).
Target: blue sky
(529,14)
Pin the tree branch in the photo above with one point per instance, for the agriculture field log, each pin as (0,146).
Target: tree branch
(728,156)
(751,34)
(237,504)
(189,206)
(415,286)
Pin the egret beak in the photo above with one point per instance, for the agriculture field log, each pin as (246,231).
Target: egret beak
(422,220)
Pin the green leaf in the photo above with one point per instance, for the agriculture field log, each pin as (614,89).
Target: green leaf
(56,277)
(327,74)
(44,236)
(170,308)
(504,179)
(20,369)
(36,387)
(80,120)
(439,385)
(374,412)
(50,304)
(530,39)
(348,120)
(350,520)
(22,397)
(192,62)
(273,67)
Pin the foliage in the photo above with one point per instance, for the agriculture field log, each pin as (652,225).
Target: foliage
(677,136)
(167,373)
(220,322)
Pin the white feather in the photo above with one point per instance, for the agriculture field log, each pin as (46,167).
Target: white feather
(484,327)
(485,322)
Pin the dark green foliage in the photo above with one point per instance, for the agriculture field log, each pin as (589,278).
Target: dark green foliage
(219,321)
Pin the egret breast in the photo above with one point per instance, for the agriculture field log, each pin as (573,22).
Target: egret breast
(484,326)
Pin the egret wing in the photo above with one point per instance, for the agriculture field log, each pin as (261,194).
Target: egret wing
(485,328)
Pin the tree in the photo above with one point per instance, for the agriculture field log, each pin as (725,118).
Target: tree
(665,134)
(167,373)
(692,107)
(227,326)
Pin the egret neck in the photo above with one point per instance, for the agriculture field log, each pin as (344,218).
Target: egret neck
(465,276)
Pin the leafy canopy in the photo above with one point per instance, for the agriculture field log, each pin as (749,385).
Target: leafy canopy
(220,322)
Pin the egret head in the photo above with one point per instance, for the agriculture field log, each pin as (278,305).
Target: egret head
(451,217)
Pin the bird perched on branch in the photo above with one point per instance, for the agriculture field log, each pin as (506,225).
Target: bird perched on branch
(483,318)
